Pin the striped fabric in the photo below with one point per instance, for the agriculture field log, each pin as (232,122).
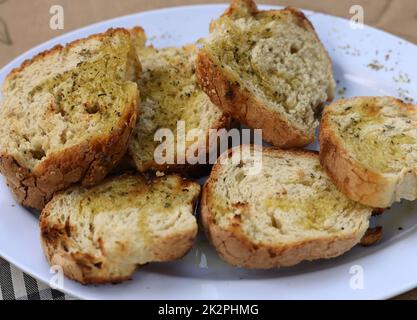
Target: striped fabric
(16,285)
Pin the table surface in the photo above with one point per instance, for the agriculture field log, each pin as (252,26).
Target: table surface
(25,23)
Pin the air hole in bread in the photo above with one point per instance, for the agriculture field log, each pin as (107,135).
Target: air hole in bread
(62,112)
(38,154)
(294,49)
(318,112)
(68,228)
(64,246)
(63,137)
(56,105)
(275,59)
(92,108)
(276,223)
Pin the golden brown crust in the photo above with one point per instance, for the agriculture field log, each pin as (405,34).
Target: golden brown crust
(44,54)
(87,162)
(79,267)
(371,237)
(221,120)
(88,269)
(250,6)
(230,97)
(377,212)
(237,249)
(197,170)
(356,181)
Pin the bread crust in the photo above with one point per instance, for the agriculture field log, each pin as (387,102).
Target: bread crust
(88,269)
(81,267)
(44,54)
(372,236)
(87,162)
(237,249)
(220,122)
(197,170)
(358,182)
(230,96)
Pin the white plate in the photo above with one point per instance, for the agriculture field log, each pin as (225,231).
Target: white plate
(389,268)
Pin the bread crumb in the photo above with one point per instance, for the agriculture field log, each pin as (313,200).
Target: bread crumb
(375,65)
(160,174)
(371,237)
(402,78)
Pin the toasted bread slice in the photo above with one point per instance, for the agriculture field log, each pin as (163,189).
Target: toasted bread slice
(101,235)
(170,94)
(289,212)
(368,146)
(269,70)
(67,114)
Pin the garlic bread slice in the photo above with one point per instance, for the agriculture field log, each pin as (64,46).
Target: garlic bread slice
(173,101)
(368,145)
(269,70)
(102,234)
(67,114)
(290,211)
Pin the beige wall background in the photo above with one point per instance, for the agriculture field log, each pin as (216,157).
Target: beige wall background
(25,23)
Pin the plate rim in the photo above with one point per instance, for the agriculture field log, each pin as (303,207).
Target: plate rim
(38,47)
(85,29)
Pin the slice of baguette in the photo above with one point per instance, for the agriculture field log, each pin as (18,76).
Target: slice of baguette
(368,145)
(269,70)
(67,114)
(169,93)
(101,235)
(289,212)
